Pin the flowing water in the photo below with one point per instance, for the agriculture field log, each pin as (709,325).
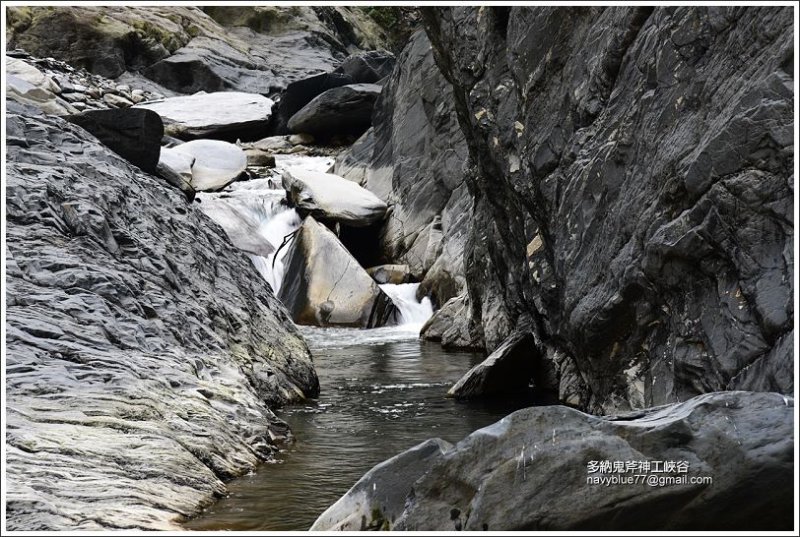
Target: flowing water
(382,390)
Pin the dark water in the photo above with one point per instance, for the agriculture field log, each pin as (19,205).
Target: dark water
(383,391)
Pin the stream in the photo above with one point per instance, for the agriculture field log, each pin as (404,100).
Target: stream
(382,390)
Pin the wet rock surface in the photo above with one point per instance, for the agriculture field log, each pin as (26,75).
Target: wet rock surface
(643,220)
(368,67)
(325,286)
(143,350)
(529,471)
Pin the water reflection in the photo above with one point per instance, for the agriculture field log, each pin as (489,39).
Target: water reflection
(383,391)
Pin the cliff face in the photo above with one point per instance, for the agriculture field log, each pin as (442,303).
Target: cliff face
(631,181)
(143,349)
(188,49)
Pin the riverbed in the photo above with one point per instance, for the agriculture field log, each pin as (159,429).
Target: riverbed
(382,391)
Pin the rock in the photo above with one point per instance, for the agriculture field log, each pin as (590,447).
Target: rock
(395,476)
(256,49)
(509,369)
(500,478)
(221,115)
(176,168)
(137,96)
(28,85)
(216,164)
(367,67)
(635,218)
(301,139)
(413,158)
(324,285)
(329,197)
(450,326)
(257,157)
(301,92)
(116,101)
(242,232)
(395,274)
(139,342)
(262,49)
(135,135)
(346,109)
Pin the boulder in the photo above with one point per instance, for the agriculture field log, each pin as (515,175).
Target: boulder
(538,470)
(343,110)
(509,369)
(450,326)
(395,274)
(221,115)
(301,92)
(329,197)
(367,67)
(395,476)
(176,169)
(216,164)
(258,157)
(142,351)
(28,85)
(325,286)
(133,134)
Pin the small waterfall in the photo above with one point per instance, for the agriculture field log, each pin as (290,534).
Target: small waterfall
(261,203)
(404,296)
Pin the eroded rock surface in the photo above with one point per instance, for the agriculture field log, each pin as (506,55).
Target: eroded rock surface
(529,472)
(143,350)
(641,220)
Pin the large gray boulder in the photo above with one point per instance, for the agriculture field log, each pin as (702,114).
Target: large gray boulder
(644,217)
(325,286)
(534,470)
(143,351)
(223,115)
(214,164)
(343,110)
(329,197)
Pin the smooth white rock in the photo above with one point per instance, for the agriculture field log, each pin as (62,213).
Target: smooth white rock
(216,163)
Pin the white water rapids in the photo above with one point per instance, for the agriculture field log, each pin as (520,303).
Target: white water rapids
(260,203)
